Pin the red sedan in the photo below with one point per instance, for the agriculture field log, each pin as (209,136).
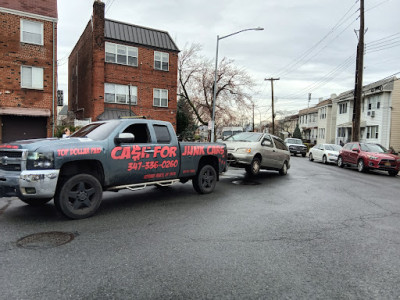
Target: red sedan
(367,156)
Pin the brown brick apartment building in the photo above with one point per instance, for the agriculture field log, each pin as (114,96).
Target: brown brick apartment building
(28,70)
(113,62)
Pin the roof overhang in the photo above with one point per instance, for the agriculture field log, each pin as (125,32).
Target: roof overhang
(18,111)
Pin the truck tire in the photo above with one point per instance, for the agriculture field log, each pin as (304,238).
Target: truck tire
(205,180)
(79,196)
(254,168)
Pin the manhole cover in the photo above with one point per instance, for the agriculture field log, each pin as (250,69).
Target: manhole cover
(245,182)
(45,240)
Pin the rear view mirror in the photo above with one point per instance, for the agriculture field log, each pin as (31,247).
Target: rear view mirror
(355,150)
(124,137)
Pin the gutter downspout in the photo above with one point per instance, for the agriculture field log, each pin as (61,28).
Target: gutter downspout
(53,127)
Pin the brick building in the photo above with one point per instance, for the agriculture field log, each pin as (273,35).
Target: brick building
(28,70)
(113,62)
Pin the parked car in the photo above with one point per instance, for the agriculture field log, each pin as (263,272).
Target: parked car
(255,151)
(327,153)
(367,156)
(296,146)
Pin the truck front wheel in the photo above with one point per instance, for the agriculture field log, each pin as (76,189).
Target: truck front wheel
(205,180)
(79,196)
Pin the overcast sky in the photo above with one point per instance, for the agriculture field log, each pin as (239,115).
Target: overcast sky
(310,44)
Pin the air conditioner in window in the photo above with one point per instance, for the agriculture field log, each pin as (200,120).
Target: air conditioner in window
(372,114)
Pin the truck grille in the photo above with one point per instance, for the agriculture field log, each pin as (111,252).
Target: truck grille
(11,160)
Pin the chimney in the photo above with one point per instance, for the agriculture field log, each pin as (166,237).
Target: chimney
(98,23)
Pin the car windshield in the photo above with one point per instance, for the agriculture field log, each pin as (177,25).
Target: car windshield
(373,148)
(333,147)
(294,141)
(246,137)
(96,131)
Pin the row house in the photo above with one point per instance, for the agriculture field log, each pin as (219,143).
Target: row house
(118,69)
(380,114)
(28,69)
(308,123)
(379,122)
(326,121)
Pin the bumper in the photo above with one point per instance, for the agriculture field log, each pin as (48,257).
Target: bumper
(239,159)
(382,166)
(29,184)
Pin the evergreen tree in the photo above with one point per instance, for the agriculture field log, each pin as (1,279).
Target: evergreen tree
(297,132)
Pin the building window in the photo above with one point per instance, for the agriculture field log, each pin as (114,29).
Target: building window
(116,93)
(341,132)
(372,132)
(31,32)
(374,103)
(121,54)
(32,78)
(343,108)
(161,61)
(160,98)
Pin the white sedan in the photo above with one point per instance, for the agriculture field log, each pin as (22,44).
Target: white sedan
(327,153)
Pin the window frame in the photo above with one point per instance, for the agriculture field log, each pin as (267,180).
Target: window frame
(115,85)
(372,130)
(32,86)
(22,21)
(117,47)
(154,97)
(161,61)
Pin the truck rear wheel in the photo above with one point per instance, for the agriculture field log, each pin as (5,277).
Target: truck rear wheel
(205,180)
(79,196)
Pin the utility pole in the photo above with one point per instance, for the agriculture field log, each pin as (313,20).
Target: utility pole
(272,102)
(253,118)
(359,78)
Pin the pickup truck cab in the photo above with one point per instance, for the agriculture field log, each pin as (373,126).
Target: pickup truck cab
(105,155)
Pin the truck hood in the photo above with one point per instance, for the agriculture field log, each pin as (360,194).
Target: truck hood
(46,144)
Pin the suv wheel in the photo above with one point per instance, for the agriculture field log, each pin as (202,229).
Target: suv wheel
(361,166)
(340,162)
(393,173)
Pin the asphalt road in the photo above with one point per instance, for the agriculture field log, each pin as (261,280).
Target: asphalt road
(320,232)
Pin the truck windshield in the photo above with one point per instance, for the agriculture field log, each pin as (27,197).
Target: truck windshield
(294,141)
(96,131)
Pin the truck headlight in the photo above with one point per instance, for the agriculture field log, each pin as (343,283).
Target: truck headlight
(40,161)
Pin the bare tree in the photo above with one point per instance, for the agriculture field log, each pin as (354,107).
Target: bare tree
(196,81)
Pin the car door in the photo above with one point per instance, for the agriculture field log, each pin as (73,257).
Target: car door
(353,154)
(317,152)
(268,152)
(282,152)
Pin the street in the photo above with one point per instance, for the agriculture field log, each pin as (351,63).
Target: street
(321,232)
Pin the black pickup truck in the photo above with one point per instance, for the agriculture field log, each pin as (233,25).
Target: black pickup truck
(105,156)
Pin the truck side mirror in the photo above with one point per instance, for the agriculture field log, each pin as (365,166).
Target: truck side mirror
(124,137)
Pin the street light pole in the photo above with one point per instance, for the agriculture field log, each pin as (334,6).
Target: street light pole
(215,77)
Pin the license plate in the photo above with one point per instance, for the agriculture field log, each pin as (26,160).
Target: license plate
(388,164)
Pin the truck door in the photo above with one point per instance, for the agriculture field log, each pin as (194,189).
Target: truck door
(166,153)
(133,162)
